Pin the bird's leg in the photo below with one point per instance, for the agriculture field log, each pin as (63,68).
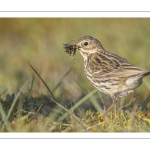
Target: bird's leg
(107,110)
(114,98)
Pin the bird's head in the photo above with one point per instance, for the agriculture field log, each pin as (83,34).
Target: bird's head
(88,45)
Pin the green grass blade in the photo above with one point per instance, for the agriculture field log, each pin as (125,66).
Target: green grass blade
(53,97)
(145,103)
(3,115)
(15,100)
(96,105)
(93,101)
(77,104)
(31,86)
(73,108)
(59,83)
(13,104)
(43,82)
(3,92)
(80,86)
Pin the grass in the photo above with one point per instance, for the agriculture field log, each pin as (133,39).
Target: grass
(72,120)
(15,118)
(67,102)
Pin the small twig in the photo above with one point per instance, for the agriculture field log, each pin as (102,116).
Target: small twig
(95,125)
(130,102)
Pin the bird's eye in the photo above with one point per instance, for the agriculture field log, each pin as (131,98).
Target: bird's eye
(86,43)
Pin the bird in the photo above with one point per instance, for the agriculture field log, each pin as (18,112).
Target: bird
(108,72)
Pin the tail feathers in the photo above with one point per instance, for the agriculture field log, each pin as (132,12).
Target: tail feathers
(147,73)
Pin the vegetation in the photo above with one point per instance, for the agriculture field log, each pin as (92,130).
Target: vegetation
(69,103)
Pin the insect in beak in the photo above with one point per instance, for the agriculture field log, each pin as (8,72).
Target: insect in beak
(70,49)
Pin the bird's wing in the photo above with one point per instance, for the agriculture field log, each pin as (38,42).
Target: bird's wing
(121,71)
(116,66)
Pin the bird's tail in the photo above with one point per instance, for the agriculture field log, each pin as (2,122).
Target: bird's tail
(147,73)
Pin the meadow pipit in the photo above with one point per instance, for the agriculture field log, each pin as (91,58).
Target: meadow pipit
(108,72)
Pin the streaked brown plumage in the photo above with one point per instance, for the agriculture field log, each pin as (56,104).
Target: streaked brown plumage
(108,72)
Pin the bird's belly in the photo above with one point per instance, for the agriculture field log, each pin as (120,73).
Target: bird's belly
(111,85)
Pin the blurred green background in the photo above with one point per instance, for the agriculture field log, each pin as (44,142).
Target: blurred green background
(40,41)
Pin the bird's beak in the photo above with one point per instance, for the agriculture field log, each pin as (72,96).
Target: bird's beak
(77,47)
